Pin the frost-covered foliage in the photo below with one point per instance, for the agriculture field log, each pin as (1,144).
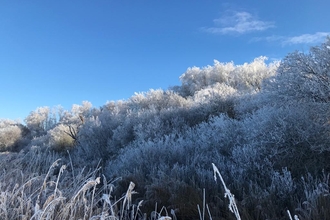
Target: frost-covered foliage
(303,77)
(244,78)
(40,185)
(264,125)
(13,135)
(40,120)
(60,139)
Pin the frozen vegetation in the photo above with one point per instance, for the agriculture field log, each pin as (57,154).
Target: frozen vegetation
(264,125)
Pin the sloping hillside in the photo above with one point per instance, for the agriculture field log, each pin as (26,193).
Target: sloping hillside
(264,125)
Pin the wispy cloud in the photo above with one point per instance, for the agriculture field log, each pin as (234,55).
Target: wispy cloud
(238,23)
(318,37)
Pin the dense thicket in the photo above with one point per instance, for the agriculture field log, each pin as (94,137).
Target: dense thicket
(265,125)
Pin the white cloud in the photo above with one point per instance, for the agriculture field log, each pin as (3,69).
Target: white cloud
(238,23)
(318,37)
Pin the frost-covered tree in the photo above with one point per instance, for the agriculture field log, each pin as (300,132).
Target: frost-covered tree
(157,99)
(43,119)
(303,77)
(37,121)
(302,83)
(57,128)
(264,125)
(77,113)
(59,139)
(75,119)
(249,76)
(196,78)
(243,78)
(13,135)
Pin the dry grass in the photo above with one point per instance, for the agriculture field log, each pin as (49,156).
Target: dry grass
(59,194)
(64,193)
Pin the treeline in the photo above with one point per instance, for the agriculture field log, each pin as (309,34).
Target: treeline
(265,125)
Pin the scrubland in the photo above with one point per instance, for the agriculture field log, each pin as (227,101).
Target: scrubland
(264,125)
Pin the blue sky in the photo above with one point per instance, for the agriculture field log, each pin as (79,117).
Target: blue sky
(64,52)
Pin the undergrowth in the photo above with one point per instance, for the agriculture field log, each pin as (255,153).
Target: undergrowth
(63,192)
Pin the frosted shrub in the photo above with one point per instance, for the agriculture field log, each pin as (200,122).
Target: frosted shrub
(144,116)
(84,109)
(220,91)
(94,136)
(285,129)
(250,76)
(195,78)
(316,196)
(220,133)
(40,142)
(152,129)
(250,161)
(39,121)
(283,185)
(13,135)
(302,77)
(77,115)
(154,126)
(59,139)
(9,136)
(244,78)
(106,132)
(216,99)
(157,99)
(174,167)
(264,125)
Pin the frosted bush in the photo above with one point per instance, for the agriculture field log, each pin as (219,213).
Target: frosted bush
(282,185)
(315,188)
(59,138)
(195,78)
(219,91)
(77,115)
(244,78)
(250,76)
(316,194)
(40,141)
(302,77)
(39,121)
(264,125)
(157,100)
(10,134)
